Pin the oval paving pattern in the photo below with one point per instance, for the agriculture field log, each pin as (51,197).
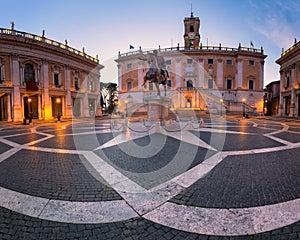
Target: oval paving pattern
(104,179)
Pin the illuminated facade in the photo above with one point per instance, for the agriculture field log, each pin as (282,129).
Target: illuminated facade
(200,76)
(289,101)
(41,78)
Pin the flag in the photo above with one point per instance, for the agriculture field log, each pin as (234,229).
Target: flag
(131,47)
(251,44)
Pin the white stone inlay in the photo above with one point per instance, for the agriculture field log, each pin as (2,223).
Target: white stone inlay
(87,212)
(66,211)
(226,222)
(22,203)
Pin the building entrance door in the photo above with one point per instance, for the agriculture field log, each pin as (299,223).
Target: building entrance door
(287,105)
(31,107)
(298,96)
(56,106)
(3,107)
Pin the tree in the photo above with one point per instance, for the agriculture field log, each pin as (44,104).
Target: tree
(109,94)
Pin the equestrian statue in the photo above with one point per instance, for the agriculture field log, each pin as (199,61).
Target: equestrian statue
(157,72)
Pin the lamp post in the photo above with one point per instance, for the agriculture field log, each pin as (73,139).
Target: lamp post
(244,100)
(58,101)
(126,102)
(221,103)
(266,107)
(29,110)
(116,105)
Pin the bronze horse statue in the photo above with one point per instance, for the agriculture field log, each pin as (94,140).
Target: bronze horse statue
(157,76)
(157,73)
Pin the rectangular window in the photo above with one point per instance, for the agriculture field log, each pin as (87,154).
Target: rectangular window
(168,62)
(251,84)
(129,66)
(91,86)
(169,84)
(210,83)
(251,62)
(210,61)
(56,79)
(129,86)
(287,84)
(228,84)
(76,83)
(192,28)
(229,62)
(189,61)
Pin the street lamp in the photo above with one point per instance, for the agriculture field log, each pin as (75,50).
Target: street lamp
(58,101)
(221,103)
(244,100)
(126,102)
(266,107)
(116,106)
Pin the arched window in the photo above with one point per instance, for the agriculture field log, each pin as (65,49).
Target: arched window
(29,75)
(189,84)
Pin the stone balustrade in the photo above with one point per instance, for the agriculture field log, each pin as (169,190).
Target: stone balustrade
(47,41)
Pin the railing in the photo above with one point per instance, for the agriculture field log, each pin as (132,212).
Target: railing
(32,86)
(48,41)
(195,49)
(290,49)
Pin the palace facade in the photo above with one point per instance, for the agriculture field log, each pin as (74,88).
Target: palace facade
(43,79)
(289,101)
(201,77)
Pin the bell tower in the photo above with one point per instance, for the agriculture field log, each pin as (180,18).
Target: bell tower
(191,31)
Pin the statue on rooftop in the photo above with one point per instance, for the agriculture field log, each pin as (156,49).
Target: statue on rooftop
(12,25)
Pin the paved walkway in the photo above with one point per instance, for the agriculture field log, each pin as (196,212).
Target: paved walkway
(103,179)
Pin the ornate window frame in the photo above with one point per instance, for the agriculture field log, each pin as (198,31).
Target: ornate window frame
(76,80)
(36,71)
(232,79)
(56,71)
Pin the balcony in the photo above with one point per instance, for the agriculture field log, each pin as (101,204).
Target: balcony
(32,86)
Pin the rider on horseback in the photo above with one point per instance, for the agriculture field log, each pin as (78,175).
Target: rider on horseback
(157,72)
(157,63)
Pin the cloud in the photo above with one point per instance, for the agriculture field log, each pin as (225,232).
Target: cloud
(277,20)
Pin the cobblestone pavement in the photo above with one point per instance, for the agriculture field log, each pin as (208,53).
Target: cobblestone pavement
(104,179)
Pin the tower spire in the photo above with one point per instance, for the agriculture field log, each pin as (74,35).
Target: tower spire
(192,14)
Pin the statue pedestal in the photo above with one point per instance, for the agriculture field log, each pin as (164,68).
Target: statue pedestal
(157,107)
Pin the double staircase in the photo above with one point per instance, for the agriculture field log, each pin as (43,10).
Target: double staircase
(213,102)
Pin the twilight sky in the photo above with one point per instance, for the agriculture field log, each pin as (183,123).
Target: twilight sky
(105,27)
